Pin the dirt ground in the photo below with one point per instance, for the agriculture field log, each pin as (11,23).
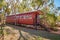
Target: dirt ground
(31,34)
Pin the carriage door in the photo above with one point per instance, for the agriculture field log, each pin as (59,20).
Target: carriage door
(38,19)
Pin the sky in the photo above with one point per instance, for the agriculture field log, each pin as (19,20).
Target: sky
(57,3)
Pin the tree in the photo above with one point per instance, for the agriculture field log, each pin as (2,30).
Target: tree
(35,4)
(2,7)
(58,18)
(51,19)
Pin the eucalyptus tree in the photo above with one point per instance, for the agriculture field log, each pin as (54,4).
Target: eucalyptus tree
(35,4)
(44,5)
(50,16)
(24,6)
(2,9)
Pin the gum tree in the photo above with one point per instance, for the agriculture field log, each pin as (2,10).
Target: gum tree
(2,13)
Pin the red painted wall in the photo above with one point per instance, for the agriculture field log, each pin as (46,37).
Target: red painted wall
(24,18)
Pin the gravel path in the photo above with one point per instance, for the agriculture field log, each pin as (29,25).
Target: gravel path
(30,34)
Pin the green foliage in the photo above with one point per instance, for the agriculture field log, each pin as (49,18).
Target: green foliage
(1,0)
(58,18)
(40,38)
(2,6)
(8,10)
(37,3)
(41,16)
(51,19)
(2,3)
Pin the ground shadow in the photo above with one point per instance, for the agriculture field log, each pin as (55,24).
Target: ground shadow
(40,33)
(21,36)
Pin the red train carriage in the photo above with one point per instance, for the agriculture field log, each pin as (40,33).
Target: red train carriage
(28,18)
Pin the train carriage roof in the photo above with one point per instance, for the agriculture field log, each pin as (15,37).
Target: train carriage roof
(35,12)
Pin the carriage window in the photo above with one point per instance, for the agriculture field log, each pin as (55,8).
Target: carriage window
(17,16)
(21,16)
(28,17)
